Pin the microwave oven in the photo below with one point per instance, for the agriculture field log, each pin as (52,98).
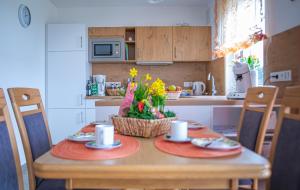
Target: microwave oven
(106,49)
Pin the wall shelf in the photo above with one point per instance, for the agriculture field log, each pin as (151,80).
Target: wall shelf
(130,44)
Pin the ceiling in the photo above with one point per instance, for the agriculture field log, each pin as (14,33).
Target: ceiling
(103,3)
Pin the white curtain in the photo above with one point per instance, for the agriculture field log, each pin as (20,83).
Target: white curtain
(236,21)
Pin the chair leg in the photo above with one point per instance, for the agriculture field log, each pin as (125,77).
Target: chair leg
(234,184)
(69,184)
(255,184)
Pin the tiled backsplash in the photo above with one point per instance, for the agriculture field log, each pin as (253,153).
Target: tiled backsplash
(217,68)
(282,52)
(176,73)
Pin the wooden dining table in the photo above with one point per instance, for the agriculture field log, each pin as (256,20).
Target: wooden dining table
(152,169)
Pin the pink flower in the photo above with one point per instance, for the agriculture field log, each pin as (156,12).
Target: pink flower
(125,106)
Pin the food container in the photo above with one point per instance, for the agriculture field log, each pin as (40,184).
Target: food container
(173,95)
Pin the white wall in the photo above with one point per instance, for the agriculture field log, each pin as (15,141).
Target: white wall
(281,15)
(22,50)
(134,16)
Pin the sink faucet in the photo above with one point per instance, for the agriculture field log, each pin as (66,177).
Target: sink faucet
(212,82)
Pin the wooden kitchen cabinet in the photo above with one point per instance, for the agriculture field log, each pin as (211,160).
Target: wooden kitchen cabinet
(191,43)
(154,43)
(107,32)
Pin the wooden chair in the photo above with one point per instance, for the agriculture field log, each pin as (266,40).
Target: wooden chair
(11,173)
(35,134)
(254,122)
(285,151)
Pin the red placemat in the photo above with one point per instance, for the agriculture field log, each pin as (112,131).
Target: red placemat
(191,151)
(88,129)
(77,151)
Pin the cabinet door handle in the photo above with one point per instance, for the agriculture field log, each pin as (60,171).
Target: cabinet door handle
(175,52)
(81,99)
(80,41)
(81,117)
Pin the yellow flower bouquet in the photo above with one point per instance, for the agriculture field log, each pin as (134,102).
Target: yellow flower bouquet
(149,98)
(142,112)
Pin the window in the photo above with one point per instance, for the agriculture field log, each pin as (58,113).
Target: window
(237,23)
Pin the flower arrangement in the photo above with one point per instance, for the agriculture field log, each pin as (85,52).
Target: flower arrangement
(148,98)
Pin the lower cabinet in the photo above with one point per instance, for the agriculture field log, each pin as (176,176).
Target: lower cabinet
(202,114)
(64,122)
(104,112)
(90,115)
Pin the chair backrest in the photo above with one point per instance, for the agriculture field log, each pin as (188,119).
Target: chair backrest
(33,126)
(255,117)
(11,173)
(285,151)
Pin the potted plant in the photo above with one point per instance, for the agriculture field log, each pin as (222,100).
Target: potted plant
(253,63)
(142,111)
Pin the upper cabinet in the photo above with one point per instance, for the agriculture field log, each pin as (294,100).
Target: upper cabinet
(107,32)
(63,37)
(154,43)
(191,43)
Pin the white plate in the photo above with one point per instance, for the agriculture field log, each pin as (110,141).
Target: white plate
(82,137)
(169,138)
(216,143)
(195,125)
(92,145)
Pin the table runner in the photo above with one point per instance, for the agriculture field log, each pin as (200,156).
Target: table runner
(77,151)
(191,151)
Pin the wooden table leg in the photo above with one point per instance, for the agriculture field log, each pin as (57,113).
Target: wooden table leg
(255,184)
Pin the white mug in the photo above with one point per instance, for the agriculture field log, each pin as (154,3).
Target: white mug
(104,135)
(179,130)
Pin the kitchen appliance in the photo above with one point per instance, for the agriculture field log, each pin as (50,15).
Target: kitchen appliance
(198,88)
(100,80)
(243,81)
(106,49)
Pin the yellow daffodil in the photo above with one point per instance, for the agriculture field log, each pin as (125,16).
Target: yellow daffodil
(132,85)
(157,88)
(148,76)
(133,72)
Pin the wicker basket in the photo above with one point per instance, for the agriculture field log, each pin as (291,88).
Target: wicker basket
(112,92)
(142,127)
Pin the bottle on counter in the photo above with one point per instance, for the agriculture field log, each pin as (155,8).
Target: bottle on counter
(89,88)
(94,87)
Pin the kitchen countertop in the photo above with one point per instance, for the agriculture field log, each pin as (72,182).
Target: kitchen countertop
(200,100)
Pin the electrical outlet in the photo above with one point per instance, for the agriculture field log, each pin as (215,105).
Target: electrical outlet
(281,76)
(187,84)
